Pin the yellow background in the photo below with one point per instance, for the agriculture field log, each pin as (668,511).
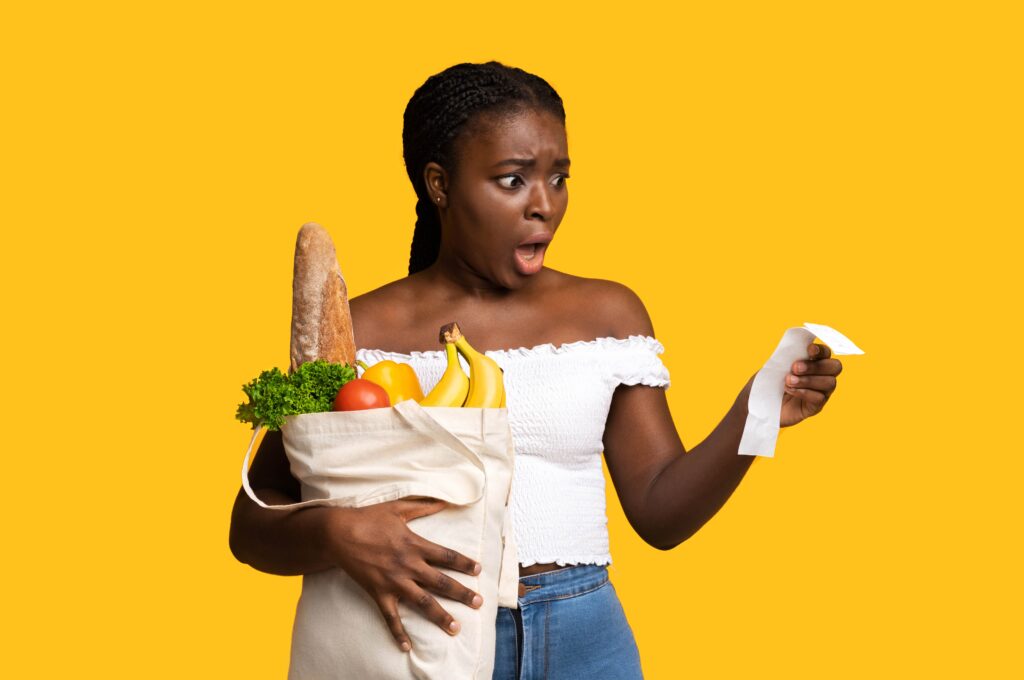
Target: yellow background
(743,167)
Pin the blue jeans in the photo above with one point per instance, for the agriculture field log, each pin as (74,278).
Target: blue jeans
(569,625)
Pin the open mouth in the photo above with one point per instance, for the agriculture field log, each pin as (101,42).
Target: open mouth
(528,252)
(530,258)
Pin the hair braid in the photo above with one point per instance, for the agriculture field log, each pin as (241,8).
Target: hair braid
(439,111)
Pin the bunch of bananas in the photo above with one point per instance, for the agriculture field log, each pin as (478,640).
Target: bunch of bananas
(484,387)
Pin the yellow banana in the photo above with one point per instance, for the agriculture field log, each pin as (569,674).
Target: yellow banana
(453,387)
(486,387)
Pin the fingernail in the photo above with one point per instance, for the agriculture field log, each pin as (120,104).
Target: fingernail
(477,600)
(800,368)
(814,350)
(792,380)
(454,626)
(476,569)
(405,647)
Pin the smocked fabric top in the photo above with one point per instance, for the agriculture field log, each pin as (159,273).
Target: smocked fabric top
(558,400)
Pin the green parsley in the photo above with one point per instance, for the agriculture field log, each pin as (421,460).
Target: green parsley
(274,395)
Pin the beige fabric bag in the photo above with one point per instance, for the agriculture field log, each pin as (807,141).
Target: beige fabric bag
(464,456)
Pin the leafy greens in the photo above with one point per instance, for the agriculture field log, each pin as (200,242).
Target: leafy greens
(274,395)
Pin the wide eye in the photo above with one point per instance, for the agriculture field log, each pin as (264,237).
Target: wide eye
(509,177)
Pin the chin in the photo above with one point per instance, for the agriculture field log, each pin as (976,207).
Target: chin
(516,281)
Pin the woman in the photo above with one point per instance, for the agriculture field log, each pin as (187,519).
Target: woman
(486,151)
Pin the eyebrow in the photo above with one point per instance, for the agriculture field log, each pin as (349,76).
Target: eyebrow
(529,162)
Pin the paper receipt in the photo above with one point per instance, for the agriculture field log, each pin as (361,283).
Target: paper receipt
(764,407)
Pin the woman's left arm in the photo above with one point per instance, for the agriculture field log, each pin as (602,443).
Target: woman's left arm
(668,493)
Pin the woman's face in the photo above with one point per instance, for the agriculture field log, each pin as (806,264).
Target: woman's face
(503,204)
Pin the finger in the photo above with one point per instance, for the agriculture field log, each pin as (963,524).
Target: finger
(816,351)
(821,383)
(389,608)
(440,556)
(411,508)
(443,584)
(432,610)
(812,397)
(819,367)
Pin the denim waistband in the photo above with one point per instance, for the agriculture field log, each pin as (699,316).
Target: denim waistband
(563,583)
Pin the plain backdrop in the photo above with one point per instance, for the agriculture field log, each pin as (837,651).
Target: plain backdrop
(744,167)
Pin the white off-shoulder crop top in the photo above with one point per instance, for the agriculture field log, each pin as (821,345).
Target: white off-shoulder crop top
(558,400)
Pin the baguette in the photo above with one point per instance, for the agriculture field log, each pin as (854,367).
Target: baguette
(321,319)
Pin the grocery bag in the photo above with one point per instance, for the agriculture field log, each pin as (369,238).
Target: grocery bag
(464,456)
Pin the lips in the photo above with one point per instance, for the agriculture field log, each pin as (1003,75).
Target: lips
(529,255)
(541,237)
(530,258)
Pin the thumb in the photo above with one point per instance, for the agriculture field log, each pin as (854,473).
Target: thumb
(411,508)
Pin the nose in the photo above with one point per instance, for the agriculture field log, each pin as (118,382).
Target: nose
(540,206)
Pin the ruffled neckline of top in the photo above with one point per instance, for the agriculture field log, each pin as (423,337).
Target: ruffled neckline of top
(542,349)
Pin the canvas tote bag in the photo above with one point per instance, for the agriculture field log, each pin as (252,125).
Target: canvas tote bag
(464,456)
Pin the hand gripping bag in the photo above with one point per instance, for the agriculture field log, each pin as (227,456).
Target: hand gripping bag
(464,456)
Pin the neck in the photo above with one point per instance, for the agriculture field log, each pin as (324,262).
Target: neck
(455,278)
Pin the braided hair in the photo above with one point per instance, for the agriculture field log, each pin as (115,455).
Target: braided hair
(445,105)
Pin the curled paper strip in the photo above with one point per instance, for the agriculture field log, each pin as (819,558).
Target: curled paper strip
(764,407)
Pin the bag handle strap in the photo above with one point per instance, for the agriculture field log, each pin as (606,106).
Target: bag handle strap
(421,421)
(252,495)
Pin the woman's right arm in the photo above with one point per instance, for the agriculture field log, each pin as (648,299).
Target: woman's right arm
(282,542)
(372,544)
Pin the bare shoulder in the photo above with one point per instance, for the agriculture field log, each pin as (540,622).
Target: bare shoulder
(622,310)
(376,313)
(380,297)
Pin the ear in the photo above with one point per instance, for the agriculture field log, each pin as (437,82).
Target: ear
(436,180)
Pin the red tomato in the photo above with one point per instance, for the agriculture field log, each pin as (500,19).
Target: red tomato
(359,394)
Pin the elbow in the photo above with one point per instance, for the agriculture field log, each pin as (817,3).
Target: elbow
(236,534)
(667,540)
(659,540)
(663,545)
(665,528)
(235,545)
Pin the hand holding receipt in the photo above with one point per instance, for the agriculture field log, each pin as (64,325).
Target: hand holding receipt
(767,408)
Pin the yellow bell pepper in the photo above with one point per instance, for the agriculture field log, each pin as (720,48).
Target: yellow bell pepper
(398,380)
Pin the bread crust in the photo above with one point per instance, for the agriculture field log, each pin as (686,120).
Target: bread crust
(321,318)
